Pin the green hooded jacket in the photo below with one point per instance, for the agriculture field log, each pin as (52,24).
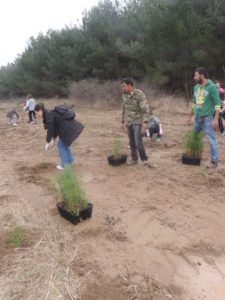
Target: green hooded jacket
(206,99)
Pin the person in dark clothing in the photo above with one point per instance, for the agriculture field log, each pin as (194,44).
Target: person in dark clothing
(222,111)
(67,130)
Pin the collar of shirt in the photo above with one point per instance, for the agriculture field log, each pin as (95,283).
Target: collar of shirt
(131,94)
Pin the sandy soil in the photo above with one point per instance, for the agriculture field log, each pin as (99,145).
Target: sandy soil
(156,233)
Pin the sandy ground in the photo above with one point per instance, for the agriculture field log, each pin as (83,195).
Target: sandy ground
(156,233)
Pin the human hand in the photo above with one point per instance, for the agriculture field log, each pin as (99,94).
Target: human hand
(122,126)
(215,124)
(47,146)
(52,143)
(190,120)
(144,127)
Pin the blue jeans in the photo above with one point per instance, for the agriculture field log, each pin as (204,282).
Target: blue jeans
(205,124)
(65,154)
(136,145)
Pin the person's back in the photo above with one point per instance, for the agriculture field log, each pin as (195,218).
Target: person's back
(154,127)
(57,125)
(67,130)
(153,122)
(31,104)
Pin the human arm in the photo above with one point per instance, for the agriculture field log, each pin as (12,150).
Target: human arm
(25,108)
(49,125)
(160,129)
(217,104)
(122,126)
(143,103)
(191,114)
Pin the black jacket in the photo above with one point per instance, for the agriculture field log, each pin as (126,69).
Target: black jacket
(66,130)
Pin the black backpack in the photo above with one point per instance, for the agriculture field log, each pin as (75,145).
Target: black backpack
(65,112)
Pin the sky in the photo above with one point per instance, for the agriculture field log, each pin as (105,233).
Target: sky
(21,19)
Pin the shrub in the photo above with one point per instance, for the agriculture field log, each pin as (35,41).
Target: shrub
(107,92)
(16,236)
(193,143)
(68,185)
(117,147)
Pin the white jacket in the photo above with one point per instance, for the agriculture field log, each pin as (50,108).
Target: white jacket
(30,104)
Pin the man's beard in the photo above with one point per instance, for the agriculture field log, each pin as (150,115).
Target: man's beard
(199,81)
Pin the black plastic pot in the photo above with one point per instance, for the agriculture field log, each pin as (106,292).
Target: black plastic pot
(84,214)
(117,162)
(188,160)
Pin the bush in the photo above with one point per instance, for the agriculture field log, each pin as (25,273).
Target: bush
(16,236)
(193,143)
(94,90)
(68,185)
(117,147)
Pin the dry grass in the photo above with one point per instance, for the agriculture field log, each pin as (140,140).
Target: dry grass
(44,271)
(108,93)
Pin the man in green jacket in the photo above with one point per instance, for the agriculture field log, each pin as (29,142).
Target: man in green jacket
(135,116)
(206,108)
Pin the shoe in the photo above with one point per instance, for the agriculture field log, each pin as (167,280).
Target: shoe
(158,139)
(14,124)
(146,163)
(212,165)
(32,122)
(59,167)
(132,162)
(222,133)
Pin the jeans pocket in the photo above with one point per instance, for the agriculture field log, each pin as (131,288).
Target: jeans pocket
(208,119)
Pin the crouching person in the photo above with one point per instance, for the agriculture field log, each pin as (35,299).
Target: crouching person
(12,117)
(154,128)
(60,122)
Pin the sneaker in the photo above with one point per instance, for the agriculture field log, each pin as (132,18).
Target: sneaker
(32,122)
(158,139)
(212,165)
(146,163)
(132,162)
(59,167)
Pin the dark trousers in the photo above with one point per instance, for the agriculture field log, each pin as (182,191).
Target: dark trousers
(32,115)
(221,115)
(136,145)
(154,130)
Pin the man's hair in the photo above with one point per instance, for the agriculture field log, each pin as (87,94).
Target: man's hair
(128,81)
(202,71)
(39,106)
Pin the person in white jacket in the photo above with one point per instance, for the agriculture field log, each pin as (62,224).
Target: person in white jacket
(30,105)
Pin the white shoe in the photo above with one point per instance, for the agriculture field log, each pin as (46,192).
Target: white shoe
(59,167)
(146,163)
(132,162)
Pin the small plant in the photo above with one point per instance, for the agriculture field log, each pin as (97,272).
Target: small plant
(117,147)
(69,187)
(16,236)
(193,143)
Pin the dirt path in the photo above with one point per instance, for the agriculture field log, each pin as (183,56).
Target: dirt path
(155,233)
